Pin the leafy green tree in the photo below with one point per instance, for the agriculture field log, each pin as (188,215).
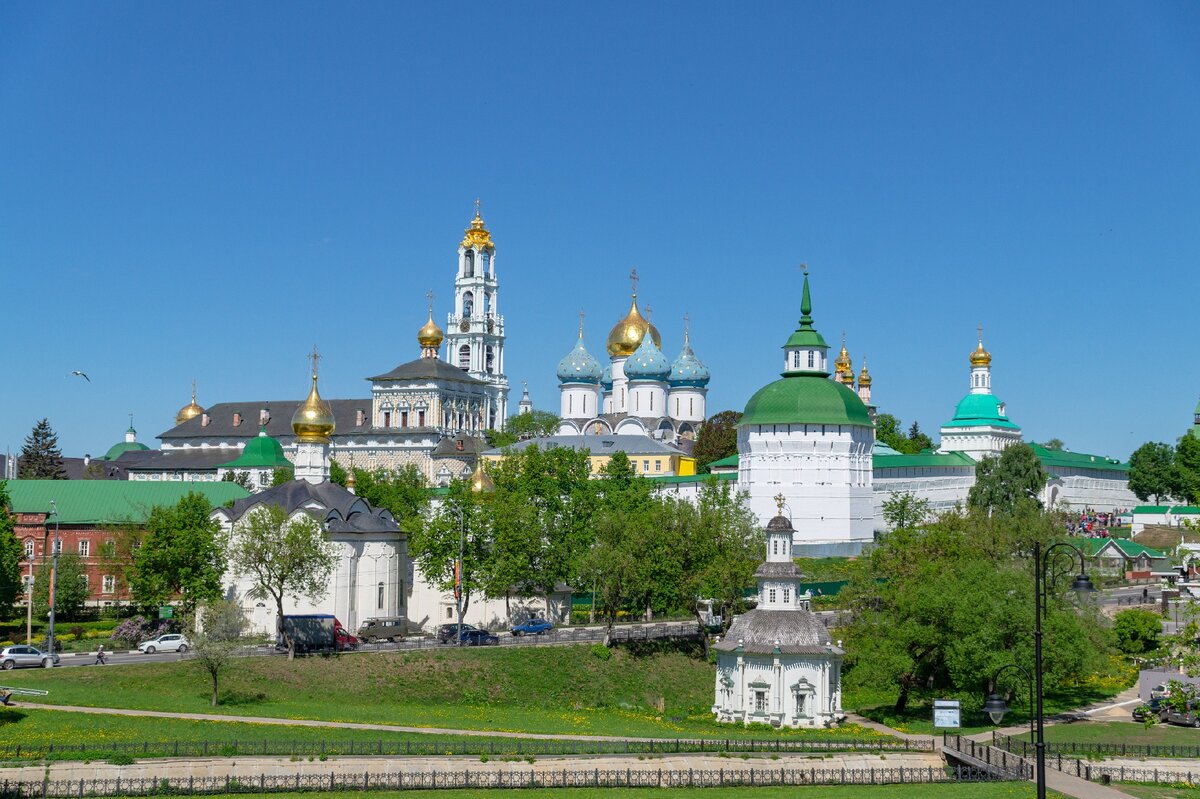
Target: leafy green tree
(71,593)
(434,545)
(41,459)
(1009,482)
(283,475)
(403,491)
(337,473)
(284,557)
(223,620)
(888,430)
(917,440)
(241,478)
(716,439)
(497,439)
(1137,630)
(183,553)
(215,649)
(1186,481)
(533,424)
(12,554)
(1054,444)
(1152,471)
(904,510)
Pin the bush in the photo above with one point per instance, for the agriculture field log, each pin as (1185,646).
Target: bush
(132,632)
(601,651)
(1137,630)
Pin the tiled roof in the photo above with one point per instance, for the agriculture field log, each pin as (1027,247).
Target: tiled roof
(341,510)
(597,445)
(110,501)
(427,369)
(797,631)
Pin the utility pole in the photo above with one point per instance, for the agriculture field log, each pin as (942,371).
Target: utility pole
(53,579)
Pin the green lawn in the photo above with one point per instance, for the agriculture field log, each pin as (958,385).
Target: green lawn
(565,690)
(1120,732)
(1001,790)
(1158,791)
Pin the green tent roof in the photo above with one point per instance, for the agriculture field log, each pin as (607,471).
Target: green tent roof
(980,410)
(111,501)
(1065,459)
(805,399)
(260,452)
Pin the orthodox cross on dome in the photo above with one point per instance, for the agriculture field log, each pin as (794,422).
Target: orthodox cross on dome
(979,332)
(686,326)
(633,278)
(649,311)
(581,315)
(314,356)
(429,296)
(131,419)
(804,268)
(193,389)
(476,207)
(779,502)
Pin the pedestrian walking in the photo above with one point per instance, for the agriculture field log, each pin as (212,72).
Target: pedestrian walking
(99,656)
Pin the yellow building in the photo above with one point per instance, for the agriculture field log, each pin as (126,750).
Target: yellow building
(647,456)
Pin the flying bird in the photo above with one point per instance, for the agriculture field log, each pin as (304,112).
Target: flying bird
(78,373)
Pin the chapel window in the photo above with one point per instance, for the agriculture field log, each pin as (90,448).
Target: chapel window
(380,591)
(29,545)
(464,357)
(387,418)
(787,596)
(760,701)
(468,303)
(490,358)
(771,596)
(469,263)
(484,262)
(812,356)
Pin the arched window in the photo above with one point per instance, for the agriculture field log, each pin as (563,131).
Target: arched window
(469,263)
(380,590)
(464,357)
(489,357)
(485,262)
(29,548)
(468,303)
(487,303)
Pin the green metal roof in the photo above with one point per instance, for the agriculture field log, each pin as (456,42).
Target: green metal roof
(980,410)
(1129,549)
(121,447)
(1186,509)
(725,463)
(692,478)
(806,399)
(260,452)
(1151,509)
(1065,459)
(924,459)
(111,501)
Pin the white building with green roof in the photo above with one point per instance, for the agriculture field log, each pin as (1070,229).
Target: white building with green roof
(809,438)
(980,426)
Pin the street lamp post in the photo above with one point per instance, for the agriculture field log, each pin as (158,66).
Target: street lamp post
(1081,585)
(479,483)
(996,707)
(52,590)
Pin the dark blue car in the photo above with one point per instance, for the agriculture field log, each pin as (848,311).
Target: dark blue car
(478,638)
(532,627)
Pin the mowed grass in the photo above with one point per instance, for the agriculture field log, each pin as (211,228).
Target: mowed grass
(1120,732)
(993,790)
(1158,791)
(560,690)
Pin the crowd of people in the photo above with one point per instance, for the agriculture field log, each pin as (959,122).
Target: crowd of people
(1095,524)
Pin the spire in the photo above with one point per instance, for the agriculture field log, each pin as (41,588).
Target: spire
(805,301)
(687,329)
(581,324)
(477,234)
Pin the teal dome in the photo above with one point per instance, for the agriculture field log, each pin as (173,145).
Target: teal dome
(647,362)
(128,445)
(260,452)
(806,399)
(606,378)
(980,410)
(579,366)
(688,370)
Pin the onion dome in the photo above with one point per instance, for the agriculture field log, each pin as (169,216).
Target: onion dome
(313,421)
(130,444)
(189,411)
(842,364)
(648,362)
(626,335)
(606,379)
(981,357)
(480,482)
(477,235)
(260,452)
(430,336)
(579,366)
(688,370)
(864,377)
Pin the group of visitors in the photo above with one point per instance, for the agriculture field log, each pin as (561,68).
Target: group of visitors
(1095,524)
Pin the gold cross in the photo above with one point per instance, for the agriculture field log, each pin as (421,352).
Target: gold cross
(193,389)
(649,311)
(779,501)
(581,323)
(633,277)
(979,332)
(476,207)
(429,296)
(314,357)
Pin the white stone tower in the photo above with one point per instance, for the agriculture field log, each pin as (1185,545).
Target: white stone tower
(475,333)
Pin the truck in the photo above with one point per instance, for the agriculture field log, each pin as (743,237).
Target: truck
(315,632)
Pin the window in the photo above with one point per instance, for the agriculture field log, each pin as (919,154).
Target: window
(771,592)
(83,578)
(464,357)
(760,700)
(110,584)
(787,596)
(468,304)
(468,265)
(490,359)
(774,546)
(800,703)
(658,466)
(420,418)
(387,418)
(484,260)
(449,613)
(570,404)
(404,418)
(692,406)
(85,548)
(651,401)
(380,591)
(29,545)
(645,466)
(811,356)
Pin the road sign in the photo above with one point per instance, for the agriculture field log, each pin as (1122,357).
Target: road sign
(946,713)
(166,612)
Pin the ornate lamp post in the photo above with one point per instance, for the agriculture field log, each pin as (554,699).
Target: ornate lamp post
(479,483)
(1082,584)
(54,547)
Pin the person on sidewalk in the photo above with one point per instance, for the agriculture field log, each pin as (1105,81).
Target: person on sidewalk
(99,656)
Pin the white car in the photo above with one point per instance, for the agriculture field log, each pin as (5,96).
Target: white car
(171,642)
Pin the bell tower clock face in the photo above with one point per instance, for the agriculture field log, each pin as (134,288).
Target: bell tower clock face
(464,325)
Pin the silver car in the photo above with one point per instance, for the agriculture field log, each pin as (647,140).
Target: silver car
(171,642)
(12,657)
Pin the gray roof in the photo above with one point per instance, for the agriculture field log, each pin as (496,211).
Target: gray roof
(190,459)
(778,570)
(341,510)
(448,447)
(597,445)
(279,425)
(428,369)
(797,631)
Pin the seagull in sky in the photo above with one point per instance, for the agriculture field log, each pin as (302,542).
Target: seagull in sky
(78,373)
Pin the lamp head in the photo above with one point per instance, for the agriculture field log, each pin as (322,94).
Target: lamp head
(995,707)
(1082,584)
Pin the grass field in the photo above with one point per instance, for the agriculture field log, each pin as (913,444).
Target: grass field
(564,690)
(1002,790)
(1122,732)
(1158,791)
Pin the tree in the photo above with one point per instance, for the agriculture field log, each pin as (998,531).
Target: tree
(1186,475)
(1138,631)
(41,458)
(11,555)
(1152,471)
(241,478)
(182,554)
(284,556)
(904,510)
(1006,483)
(282,475)
(888,430)
(214,657)
(1055,444)
(434,545)
(214,649)
(918,441)
(337,473)
(223,620)
(403,492)
(717,439)
(532,425)
(71,591)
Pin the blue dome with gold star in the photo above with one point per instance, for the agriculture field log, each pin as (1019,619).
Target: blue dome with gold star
(606,378)
(579,366)
(688,370)
(647,362)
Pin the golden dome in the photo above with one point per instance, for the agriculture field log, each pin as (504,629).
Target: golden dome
(313,421)
(864,377)
(480,482)
(477,235)
(430,336)
(981,357)
(189,411)
(626,335)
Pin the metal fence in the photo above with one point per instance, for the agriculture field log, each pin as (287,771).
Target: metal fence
(492,778)
(1099,772)
(1094,749)
(558,635)
(985,756)
(459,745)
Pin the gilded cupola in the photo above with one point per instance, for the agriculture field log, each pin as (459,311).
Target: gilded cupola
(313,421)
(189,411)
(864,377)
(981,357)
(430,336)
(477,234)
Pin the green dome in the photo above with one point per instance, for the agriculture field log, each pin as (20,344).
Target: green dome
(117,450)
(260,452)
(980,410)
(806,399)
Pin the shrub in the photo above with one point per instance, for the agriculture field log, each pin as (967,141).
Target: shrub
(1137,630)
(600,651)
(132,632)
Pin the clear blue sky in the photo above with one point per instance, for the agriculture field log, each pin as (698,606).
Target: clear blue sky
(208,190)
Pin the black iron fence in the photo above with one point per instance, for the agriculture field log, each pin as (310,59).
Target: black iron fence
(491,778)
(1074,749)
(1102,773)
(986,756)
(458,745)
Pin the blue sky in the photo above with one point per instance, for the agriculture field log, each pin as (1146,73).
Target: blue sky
(205,191)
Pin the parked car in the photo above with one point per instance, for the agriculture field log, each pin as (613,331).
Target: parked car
(391,628)
(171,642)
(532,627)
(16,657)
(449,632)
(479,638)
(1155,709)
(1188,717)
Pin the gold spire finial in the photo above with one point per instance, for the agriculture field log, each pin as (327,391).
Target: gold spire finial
(980,357)
(686,327)
(313,420)
(581,323)
(779,502)
(189,411)
(633,278)
(430,335)
(429,296)
(477,216)
(314,356)
(193,389)
(477,235)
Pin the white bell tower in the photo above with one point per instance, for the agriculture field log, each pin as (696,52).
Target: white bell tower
(475,330)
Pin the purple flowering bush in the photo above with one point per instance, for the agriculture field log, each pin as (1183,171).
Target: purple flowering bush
(133,631)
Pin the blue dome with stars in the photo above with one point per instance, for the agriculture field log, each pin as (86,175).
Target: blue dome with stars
(606,378)
(647,362)
(688,370)
(579,366)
